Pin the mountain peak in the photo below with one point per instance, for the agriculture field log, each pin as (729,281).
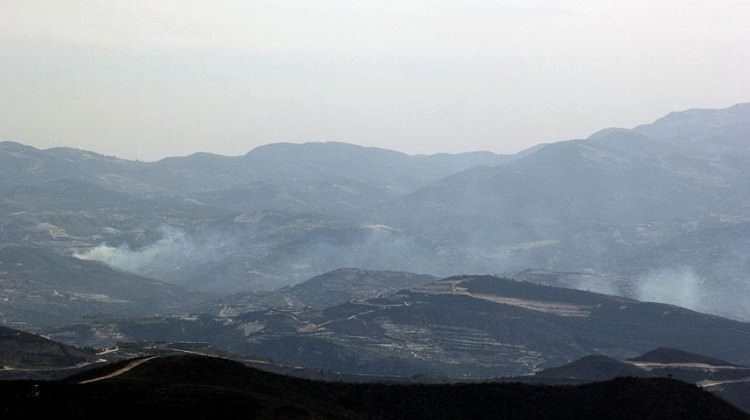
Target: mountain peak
(594,368)
(668,355)
(615,132)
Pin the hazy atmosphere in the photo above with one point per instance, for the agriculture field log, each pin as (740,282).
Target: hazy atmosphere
(147,79)
(315,209)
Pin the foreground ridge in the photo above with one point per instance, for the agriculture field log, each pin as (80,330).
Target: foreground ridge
(204,387)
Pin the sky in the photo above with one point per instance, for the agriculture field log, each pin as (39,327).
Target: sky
(145,79)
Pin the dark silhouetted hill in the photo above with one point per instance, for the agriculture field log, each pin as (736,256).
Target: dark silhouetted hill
(199,387)
(21,350)
(594,368)
(668,356)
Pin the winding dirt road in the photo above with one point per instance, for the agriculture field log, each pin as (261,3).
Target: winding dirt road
(127,368)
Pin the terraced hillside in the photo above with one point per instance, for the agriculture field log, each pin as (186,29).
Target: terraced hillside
(460,327)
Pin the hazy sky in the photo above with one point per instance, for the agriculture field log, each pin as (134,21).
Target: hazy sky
(149,78)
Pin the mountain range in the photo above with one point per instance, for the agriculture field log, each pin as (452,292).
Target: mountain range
(660,208)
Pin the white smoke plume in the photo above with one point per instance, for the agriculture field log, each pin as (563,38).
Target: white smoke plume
(676,286)
(174,251)
(723,295)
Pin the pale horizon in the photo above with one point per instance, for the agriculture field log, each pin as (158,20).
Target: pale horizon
(145,80)
(437,152)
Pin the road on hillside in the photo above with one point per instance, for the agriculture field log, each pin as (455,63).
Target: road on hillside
(127,368)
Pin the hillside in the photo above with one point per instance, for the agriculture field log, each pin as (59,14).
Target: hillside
(594,368)
(664,355)
(727,380)
(328,289)
(737,392)
(199,387)
(460,327)
(632,203)
(276,216)
(661,204)
(21,350)
(322,175)
(39,288)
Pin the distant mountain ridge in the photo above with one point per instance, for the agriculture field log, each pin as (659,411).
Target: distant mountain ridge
(387,170)
(618,203)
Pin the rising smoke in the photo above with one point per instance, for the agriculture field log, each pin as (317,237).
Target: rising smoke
(684,286)
(181,257)
(174,251)
(680,286)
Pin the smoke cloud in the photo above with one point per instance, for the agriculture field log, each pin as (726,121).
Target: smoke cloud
(174,252)
(686,287)
(681,287)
